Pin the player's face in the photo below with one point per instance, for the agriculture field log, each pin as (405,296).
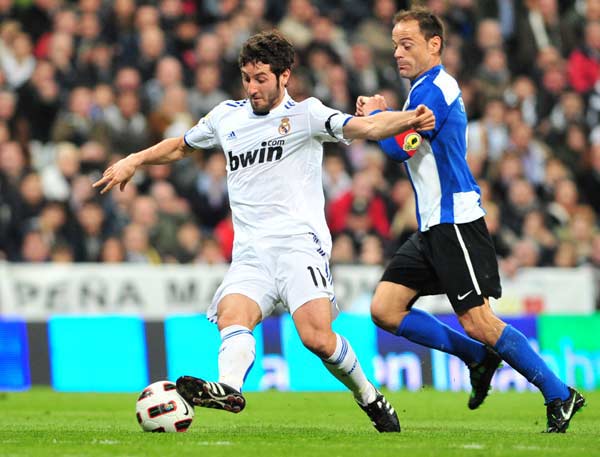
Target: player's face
(262,87)
(413,53)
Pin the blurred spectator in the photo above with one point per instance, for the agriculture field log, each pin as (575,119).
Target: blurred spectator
(365,78)
(113,251)
(522,96)
(53,224)
(531,152)
(493,76)
(210,252)
(172,117)
(56,179)
(565,255)
(526,253)
(172,213)
(371,251)
(487,36)
(584,62)
(556,171)
(573,149)
(152,47)
(569,109)
(168,73)
(127,126)
(61,55)
(91,232)
(296,23)
(32,199)
(402,212)
(84,83)
(521,200)
(580,231)
(137,245)
(13,162)
(565,202)
(488,136)
(35,249)
(18,61)
(208,197)
(223,233)
(39,102)
(342,250)
(62,253)
(76,124)
(128,79)
(539,27)
(206,93)
(492,220)
(375,31)
(189,240)
(359,212)
(535,228)
(336,179)
(594,258)
(589,179)
(8,105)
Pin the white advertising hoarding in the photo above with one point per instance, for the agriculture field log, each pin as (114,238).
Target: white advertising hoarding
(36,291)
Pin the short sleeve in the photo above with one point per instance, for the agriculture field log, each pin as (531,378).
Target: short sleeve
(327,124)
(203,135)
(432,97)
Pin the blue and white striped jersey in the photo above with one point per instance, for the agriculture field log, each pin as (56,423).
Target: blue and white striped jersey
(444,187)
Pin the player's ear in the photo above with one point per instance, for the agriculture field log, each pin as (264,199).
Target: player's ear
(435,45)
(285,76)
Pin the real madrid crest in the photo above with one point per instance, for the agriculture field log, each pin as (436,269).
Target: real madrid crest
(285,126)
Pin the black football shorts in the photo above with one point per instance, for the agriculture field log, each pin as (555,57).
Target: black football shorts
(458,260)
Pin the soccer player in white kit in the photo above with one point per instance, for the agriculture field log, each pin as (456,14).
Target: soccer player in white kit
(274,151)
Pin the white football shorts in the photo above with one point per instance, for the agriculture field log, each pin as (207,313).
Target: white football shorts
(291,270)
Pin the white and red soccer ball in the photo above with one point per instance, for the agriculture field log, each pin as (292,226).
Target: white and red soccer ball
(160,408)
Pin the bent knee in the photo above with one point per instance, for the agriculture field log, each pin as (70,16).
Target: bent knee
(387,317)
(485,331)
(319,343)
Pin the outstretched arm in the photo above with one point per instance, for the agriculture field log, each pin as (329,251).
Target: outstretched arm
(402,145)
(121,172)
(386,124)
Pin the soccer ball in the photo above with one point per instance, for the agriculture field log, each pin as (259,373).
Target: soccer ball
(160,408)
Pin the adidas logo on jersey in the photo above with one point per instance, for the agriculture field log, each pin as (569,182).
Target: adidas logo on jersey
(269,151)
(230,136)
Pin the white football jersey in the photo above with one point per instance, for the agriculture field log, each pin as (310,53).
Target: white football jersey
(274,164)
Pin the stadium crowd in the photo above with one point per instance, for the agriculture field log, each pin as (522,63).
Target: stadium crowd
(83,83)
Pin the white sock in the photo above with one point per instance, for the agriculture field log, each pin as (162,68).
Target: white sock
(344,365)
(236,355)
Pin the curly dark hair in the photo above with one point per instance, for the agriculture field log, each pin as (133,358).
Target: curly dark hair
(429,24)
(270,48)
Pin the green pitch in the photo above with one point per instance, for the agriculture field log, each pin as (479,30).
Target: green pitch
(43,423)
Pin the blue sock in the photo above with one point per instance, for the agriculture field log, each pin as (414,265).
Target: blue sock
(514,348)
(423,328)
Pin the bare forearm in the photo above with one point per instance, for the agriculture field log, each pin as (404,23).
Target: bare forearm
(169,150)
(379,126)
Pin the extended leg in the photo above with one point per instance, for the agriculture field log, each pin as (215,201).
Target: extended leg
(238,315)
(313,321)
(562,401)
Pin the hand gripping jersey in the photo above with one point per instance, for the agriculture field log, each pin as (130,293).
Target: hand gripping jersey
(444,187)
(274,164)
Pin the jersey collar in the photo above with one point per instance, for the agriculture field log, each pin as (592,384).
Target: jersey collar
(284,101)
(433,71)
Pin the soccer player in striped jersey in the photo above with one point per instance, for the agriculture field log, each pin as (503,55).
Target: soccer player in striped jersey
(451,252)
(274,151)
